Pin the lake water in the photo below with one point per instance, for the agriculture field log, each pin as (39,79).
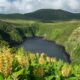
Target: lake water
(43,46)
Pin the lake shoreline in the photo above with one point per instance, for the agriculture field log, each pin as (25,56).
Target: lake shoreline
(66,54)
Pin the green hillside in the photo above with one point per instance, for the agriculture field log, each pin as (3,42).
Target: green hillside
(51,15)
(45,15)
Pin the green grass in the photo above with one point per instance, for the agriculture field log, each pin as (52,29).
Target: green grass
(58,32)
(19,21)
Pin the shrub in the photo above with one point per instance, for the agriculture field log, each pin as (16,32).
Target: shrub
(27,66)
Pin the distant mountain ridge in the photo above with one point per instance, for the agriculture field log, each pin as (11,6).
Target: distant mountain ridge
(44,15)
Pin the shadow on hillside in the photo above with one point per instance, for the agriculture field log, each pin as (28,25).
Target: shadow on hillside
(30,30)
(6,37)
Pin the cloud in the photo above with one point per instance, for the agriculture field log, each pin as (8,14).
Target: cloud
(74,4)
(25,6)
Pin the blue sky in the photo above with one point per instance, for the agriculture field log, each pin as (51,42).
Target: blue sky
(26,6)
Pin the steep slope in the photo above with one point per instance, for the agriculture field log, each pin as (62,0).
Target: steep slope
(73,45)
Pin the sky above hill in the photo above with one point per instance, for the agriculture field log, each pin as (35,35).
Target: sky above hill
(26,6)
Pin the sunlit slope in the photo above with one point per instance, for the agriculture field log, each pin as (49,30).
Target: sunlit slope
(58,32)
(73,45)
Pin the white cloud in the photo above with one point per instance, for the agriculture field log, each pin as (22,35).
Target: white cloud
(58,4)
(24,6)
(74,4)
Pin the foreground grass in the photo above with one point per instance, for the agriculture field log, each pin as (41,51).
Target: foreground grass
(23,65)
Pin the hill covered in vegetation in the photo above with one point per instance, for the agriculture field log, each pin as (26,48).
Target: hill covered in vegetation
(52,15)
(45,15)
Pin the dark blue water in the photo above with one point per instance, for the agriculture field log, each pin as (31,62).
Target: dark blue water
(43,46)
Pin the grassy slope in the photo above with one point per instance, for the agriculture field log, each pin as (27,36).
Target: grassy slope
(15,31)
(61,32)
(57,31)
(73,45)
